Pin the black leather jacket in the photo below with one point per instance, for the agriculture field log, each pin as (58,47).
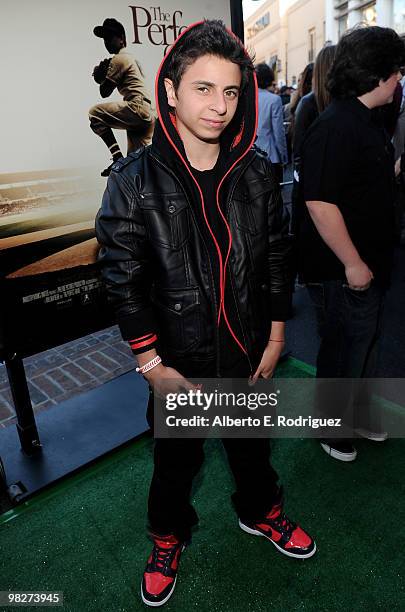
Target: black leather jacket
(156,262)
(157,256)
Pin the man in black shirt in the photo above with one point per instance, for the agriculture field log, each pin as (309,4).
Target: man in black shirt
(347,235)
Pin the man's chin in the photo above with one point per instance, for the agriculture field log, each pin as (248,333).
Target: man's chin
(209,139)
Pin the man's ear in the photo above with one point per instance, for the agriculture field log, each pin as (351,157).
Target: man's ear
(171,94)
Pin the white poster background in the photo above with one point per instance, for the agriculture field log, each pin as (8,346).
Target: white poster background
(48,51)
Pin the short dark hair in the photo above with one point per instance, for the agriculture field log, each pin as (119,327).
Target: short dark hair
(210,37)
(264,75)
(364,56)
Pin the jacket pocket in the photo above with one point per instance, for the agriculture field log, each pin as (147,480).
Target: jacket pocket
(166,219)
(179,318)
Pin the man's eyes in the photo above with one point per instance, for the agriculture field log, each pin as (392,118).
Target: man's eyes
(230,93)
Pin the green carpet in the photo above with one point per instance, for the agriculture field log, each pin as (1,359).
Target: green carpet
(86,536)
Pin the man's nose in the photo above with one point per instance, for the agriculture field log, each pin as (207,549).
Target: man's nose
(219,103)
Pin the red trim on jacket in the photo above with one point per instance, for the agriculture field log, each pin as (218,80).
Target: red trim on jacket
(140,343)
(222,267)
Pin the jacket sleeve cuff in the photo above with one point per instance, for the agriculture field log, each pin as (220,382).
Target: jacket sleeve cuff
(139,330)
(281,306)
(143,343)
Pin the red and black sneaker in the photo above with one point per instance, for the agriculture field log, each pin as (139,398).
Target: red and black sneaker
(286,536)
(159,578)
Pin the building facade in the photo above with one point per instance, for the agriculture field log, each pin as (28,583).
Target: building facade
(343,14)
(287,34)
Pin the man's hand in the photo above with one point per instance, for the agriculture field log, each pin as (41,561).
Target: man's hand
(165,380)
(100,72)
(268,362)
(359,276)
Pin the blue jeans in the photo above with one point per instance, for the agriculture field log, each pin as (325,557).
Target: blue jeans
(349,325)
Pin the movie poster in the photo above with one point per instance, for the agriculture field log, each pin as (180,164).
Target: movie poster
(51,161)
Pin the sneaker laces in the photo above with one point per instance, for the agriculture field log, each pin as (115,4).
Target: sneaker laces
(283,523)
(162,556)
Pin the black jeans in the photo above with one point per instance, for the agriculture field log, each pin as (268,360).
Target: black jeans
(349,325)
(177,461)
(278,171)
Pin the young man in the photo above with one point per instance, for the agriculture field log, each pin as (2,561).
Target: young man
(134,113)
(195,257)
(347,234)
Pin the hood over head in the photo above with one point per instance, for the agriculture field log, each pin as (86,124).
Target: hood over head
(238,137)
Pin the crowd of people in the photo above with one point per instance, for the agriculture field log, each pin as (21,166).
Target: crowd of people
(199,257)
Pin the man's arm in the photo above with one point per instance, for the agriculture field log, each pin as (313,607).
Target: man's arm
(328,151)
(277,124)
(399,139)
(279,272)
(106,88)
(121,232)
(330,224)
(277,331)
(279,256)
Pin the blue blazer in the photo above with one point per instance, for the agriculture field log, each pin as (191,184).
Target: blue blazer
(270,129)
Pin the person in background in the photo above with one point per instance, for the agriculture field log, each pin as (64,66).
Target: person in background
(122,72)
(347,233)
(285,94)
(270,127)
(303,88)
(309,108)
(390,112)
(398,141)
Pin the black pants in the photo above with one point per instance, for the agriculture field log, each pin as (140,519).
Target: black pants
(278,171)
(177,461)
(349,324)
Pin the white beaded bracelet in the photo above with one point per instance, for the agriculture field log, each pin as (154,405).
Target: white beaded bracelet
(151,364)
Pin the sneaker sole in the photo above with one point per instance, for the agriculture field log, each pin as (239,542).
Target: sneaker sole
(156,604)
(285,552)
(332,452)
(374,437)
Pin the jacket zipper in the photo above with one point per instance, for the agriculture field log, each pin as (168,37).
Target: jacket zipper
(211,276)
(228,206)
